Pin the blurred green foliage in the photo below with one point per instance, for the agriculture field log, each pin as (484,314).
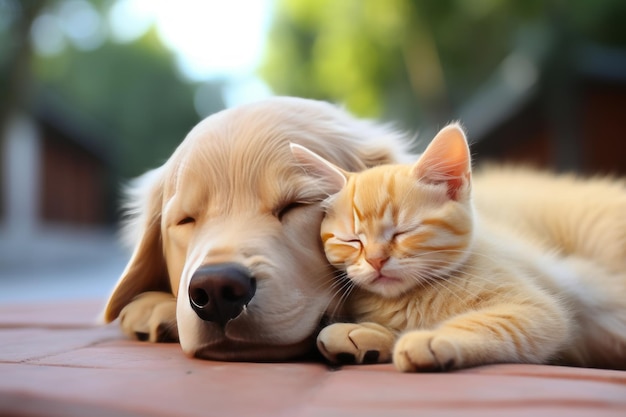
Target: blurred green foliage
(132,91)
(418,60)
(129,95)
(414,61)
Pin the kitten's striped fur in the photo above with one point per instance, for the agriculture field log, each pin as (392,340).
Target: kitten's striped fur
(451,271)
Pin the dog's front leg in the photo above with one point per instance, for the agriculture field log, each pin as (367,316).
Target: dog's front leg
(151,316)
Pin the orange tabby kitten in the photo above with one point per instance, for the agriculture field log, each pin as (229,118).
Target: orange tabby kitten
(451,271)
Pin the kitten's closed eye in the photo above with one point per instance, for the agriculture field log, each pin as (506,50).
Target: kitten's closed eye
(353,241)
(341,251)
(398,234)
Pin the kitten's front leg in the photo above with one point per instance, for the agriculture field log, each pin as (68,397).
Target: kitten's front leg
(500,334)
(349,343)
(422,350)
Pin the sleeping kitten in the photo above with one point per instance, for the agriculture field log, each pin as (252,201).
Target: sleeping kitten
(450,271)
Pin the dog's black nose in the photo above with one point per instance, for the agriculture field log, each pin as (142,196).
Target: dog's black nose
(219,292)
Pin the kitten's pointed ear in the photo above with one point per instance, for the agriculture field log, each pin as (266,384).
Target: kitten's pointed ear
(446,160)
(317,166)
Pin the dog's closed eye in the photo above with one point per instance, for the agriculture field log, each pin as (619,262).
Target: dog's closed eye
(186,220)
(284,210)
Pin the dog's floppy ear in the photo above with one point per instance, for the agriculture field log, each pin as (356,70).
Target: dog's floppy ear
(146,270)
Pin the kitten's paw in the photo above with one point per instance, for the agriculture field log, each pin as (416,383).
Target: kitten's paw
(359,343)
(151,316)
(424,351)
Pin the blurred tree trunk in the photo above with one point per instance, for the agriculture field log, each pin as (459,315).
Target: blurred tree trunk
(562,101)
(16,71)
(15,81)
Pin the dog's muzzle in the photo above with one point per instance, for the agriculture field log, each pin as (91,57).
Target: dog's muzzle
(218,293)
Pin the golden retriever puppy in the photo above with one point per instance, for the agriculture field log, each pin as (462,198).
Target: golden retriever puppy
(227,256)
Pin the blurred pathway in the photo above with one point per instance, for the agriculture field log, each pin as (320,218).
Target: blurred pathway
(59,263)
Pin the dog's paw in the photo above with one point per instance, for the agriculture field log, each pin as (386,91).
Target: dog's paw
(360,343)
(151,316)
(424,351)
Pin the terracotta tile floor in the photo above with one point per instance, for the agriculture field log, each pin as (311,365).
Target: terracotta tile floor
(56,361)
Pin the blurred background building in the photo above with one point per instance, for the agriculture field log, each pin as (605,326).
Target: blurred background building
(94,92)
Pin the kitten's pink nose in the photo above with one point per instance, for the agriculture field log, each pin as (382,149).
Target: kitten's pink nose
(378,262)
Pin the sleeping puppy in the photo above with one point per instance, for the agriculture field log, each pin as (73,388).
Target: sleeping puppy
(227,256)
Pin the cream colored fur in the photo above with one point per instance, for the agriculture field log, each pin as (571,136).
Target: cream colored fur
(235,177)
(573,230)
(513,265)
